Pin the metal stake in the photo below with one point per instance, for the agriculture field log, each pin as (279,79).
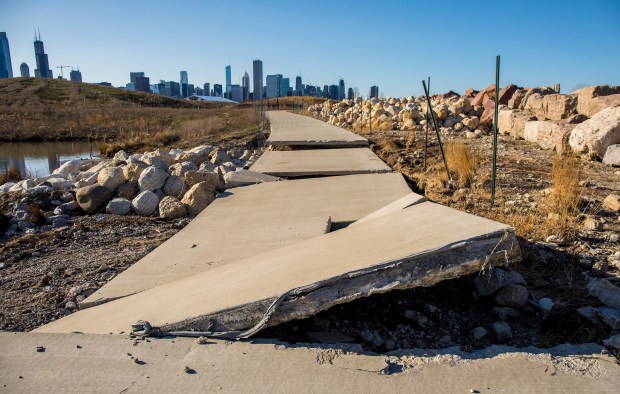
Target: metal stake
(427,119)
(430,109)
(494,173)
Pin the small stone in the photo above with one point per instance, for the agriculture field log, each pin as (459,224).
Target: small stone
(188,370)
(591,224)
(70,305)
(445,339)
(546,304)
(512,295)
(411,315)
(613,342)
(40,349)
(202,340)
(501,331)
(612,202)
(479,333)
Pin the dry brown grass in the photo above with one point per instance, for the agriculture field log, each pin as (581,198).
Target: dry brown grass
(11,175)
(462,161)
(563,203)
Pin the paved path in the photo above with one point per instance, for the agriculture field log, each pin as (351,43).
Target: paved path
(320,162)
(104,363)
(246,221)
(298,130)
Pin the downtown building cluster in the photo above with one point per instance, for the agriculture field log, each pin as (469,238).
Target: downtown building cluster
(272,86)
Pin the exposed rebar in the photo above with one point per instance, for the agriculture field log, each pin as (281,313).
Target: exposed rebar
(495,132)
(430,110)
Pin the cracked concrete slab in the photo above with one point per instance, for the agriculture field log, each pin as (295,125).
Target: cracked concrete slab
(272,367)
(400,204)
(320,162)
(247,221)
(298,130)
(404,249)
(245,178)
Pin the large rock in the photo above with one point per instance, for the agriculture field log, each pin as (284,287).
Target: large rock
(133,169)
(119,158)
(490,281)
(612,155)
(160,154)
(515,100)
(512,295)
(488,93)
(152,178)
(181,168)
(214,179)
(171,208)
(118,206)
(586,96)
(597,104)
(220,156)
(128,190)
(145,203)
(195,158)
(92,198)
(605,291)
(548,134)
(595,135)
(70,167)
(612,202)
(111,178)
(542,91)
(175,186)
(512,122)
(506,93)
(559,106)
(471,123)
(198,197)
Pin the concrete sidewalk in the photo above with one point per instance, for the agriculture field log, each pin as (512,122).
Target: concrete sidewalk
(105,363)
(299,130)
(247,221)
(403,249)
(320,162)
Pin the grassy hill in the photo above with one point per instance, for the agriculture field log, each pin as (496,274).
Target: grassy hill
(36,109)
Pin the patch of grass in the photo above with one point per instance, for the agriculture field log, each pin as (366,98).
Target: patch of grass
(52,93)
(462,161)
(11,175)
(563,203)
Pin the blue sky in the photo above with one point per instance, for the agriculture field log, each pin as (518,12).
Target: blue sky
(392,44)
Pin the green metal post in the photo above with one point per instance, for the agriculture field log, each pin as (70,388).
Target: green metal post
(494,173)
(430,110)
(427,120)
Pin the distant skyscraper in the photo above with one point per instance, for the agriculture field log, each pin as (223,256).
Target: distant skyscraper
(299,87)
(184,83)
(245,84)
(236,93)
(273,86)
(43,66)
(341,91)
(75,76)
(190,90)
(326,91)
(142,83)
(228,80)
(217,90)
(350,94)
(24,70)
(170,89)
(285,87)
(257,68)
(6,68)
(374,92)
(333,92)
(207,89)
(134,75)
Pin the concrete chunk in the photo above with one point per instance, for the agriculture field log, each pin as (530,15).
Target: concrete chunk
(246,178)
(298,130)
(324,162)
(246,221)
(297,281)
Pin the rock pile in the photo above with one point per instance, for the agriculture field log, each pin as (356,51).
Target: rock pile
(586,121)
(168,184)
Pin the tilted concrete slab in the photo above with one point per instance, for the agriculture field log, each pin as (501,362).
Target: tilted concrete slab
(398,205)
(246,221)
(246,178)
(320,162)
(103,363)
(404,249)
(299,130)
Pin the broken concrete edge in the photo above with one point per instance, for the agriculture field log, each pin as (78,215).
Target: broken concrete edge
(404,202)
(319,143)
(325,173)
(499,248)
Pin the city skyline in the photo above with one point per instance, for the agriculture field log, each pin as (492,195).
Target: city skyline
(383,47)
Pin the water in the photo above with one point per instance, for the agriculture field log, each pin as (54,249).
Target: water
(41,158)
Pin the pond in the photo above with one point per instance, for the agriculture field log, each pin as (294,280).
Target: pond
(41,158)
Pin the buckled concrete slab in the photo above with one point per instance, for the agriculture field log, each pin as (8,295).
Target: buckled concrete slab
(400,204)
(250,220)
(404,249)
(246,178)
(320,162)
(298,130)
(105,363)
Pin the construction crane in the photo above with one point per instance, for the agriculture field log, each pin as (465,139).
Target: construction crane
(61,67)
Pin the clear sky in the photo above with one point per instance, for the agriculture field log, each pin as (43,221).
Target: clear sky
(393,44)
